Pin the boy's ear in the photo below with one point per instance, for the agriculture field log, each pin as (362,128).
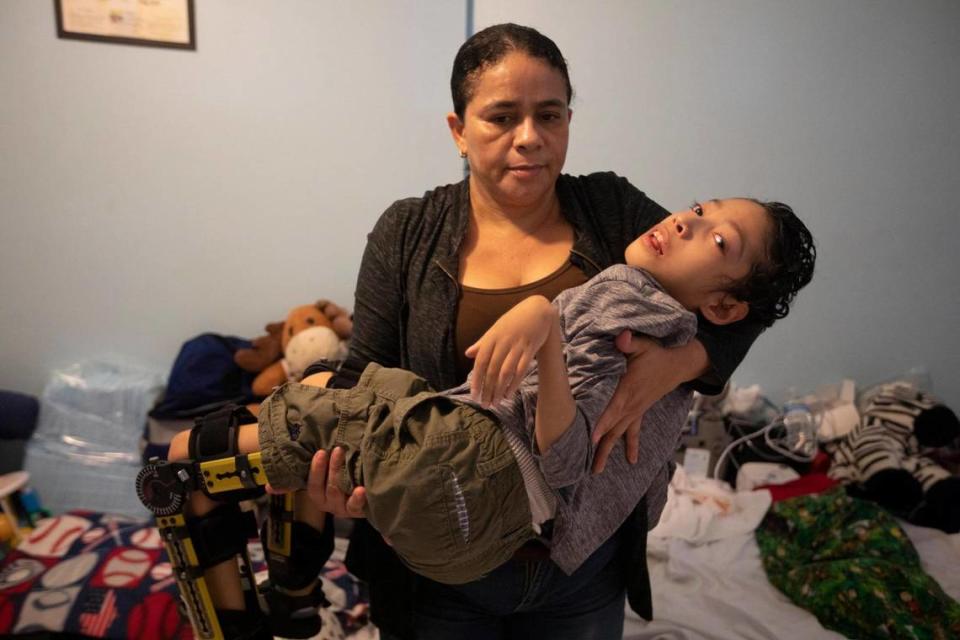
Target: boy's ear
(723,308)
(455,125)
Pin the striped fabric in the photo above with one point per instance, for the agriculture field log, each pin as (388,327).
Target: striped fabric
(884,439)
(543,502)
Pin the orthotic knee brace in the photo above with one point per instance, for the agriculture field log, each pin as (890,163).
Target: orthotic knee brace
(295,554)
(196,544)
(295,551)
(227,475)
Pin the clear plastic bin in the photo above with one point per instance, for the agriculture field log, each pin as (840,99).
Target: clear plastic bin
(67,477)
(99,403)
(85,451)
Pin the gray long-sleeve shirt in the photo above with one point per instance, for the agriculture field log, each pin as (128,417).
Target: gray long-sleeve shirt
(590,508)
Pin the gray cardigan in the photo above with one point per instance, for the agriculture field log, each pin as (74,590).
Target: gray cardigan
(405,313)
(406,297)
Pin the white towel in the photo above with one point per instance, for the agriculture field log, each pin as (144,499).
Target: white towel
(701,510)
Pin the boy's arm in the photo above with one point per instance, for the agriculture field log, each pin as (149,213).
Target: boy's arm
(556,407)
(531,330)
(503,354)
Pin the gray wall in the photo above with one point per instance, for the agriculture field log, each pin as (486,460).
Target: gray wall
(148,195)
(849,111)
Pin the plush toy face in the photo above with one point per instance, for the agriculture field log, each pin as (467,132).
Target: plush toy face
(301,318)
(308,346)
(323,329)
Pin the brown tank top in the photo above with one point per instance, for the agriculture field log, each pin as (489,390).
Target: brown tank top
(478,309)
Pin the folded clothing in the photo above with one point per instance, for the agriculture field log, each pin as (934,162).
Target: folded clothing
(701,510)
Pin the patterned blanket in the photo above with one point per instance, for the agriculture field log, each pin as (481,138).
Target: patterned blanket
(103,576)
(849,563)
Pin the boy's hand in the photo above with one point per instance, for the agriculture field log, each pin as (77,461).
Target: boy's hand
(652,372)
(502,355)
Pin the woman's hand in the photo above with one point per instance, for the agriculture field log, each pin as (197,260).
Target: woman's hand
(323,491)
(502,355)
(652,372)
(322,486)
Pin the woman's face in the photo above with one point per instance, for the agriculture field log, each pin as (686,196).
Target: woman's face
(515,130)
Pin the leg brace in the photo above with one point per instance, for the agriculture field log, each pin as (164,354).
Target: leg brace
(196,544)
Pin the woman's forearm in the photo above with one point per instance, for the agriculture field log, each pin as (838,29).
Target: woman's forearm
(725,346)
(555,405)
(693,360)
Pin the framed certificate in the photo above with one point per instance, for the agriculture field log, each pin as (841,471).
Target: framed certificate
(152,23)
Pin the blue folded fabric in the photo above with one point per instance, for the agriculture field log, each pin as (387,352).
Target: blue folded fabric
(18,415)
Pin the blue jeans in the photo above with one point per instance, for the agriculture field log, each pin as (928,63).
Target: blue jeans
(528,599)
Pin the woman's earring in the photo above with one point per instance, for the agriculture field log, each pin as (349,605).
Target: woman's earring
(463,153)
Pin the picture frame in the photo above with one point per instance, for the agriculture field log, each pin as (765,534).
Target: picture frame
(149,23)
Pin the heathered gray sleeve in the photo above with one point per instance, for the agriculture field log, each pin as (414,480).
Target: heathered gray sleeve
(591,316)
(569,458)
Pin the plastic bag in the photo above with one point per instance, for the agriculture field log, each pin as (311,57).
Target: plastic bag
(85,451)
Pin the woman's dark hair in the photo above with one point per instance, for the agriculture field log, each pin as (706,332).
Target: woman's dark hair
(489,46)
(772,284)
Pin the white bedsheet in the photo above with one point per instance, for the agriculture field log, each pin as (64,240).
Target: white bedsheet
(719,590)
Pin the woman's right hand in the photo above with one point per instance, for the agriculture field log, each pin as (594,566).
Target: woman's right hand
(322,486)
(324,492)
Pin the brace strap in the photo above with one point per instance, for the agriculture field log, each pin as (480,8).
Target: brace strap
(309,550)
(221,534)
(283,605)
(213,440)
(215,434)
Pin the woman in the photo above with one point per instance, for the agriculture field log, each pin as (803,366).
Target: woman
(439,270)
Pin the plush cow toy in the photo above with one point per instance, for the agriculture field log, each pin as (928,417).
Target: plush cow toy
(310,332)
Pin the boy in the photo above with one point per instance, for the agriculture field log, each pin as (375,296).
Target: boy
(459,480)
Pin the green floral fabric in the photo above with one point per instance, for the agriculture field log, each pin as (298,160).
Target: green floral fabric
(850,564)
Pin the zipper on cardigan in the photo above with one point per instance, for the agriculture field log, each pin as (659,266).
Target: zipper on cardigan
(448,274)
(448,344)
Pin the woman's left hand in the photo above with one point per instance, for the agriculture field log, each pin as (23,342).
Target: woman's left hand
(652,372)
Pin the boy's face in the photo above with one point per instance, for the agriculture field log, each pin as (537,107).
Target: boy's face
(696,253)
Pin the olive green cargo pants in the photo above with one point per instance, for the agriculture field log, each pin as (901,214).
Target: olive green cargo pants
(442,484)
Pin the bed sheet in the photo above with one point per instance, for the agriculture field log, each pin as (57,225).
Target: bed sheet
(719,590)
(107,577)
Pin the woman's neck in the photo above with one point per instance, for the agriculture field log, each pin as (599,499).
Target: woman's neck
(526,220)
(512,246)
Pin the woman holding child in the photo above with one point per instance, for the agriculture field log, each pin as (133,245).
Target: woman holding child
(437,273)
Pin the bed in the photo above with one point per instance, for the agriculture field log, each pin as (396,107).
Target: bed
(86,574)
(91,575)
(719,589)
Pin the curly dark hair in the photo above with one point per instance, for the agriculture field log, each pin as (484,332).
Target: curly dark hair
(488,47)
(772,284)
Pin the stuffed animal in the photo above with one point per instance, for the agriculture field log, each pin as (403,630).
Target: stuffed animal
(265,350)
(883,456)
(309,333)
